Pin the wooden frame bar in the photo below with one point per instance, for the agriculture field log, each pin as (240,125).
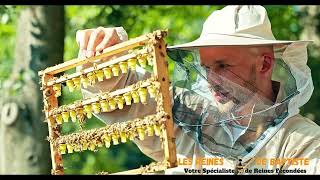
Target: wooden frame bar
(51,102)
(97,99)
(156,118)
(150,169)
(160,70)
(161,73)
(98,67)
(140,171)
(113,50)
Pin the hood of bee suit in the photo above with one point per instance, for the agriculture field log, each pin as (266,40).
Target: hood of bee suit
(237,26)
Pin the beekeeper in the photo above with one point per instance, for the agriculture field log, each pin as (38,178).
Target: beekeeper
(236,95)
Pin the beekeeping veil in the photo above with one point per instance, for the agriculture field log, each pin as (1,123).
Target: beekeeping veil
(229,118)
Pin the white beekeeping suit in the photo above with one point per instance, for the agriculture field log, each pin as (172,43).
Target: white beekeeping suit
(198,135)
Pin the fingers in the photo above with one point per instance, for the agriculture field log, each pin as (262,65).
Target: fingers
(93,41)
(95,38)
(82,38)
(110,38)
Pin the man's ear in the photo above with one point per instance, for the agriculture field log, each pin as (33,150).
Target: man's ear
(266,63)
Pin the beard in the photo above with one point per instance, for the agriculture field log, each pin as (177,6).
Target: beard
(230,96)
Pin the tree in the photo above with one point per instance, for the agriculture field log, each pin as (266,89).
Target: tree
(39,44)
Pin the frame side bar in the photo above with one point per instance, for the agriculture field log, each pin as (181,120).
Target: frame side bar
(161,73)
(50,102)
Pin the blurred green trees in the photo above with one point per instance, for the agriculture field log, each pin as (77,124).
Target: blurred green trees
(184,24)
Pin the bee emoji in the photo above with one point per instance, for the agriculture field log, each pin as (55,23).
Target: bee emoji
(239,167)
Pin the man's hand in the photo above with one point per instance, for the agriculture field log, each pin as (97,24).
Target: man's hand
(92,42)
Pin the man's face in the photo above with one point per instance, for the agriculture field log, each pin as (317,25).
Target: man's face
(231,72)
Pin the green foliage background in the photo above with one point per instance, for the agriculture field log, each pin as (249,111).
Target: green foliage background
(184,24)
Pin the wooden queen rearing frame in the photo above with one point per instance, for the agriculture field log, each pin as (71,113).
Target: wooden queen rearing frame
(160,124)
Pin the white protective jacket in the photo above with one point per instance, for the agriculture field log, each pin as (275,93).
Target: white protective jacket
(295,137)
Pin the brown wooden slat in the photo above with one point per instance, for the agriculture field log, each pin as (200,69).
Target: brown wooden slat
(139,171)
(99,66)
(110,51)
(51,102)
(161,74)
(96,99)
